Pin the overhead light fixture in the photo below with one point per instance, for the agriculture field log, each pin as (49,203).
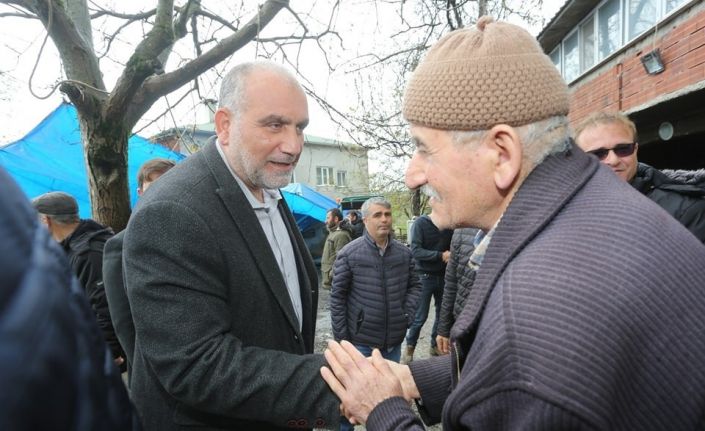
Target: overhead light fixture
(652,62)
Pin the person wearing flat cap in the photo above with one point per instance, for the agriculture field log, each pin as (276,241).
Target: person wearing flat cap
(586,311)
(83,241)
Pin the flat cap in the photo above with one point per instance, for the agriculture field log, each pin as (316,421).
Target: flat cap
(55,204)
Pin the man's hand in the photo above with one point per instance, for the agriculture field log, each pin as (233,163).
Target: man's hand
(446,256)
(443,344)
(119,360)
(360,383)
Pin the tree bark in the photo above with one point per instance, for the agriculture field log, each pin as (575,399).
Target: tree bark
(107,118)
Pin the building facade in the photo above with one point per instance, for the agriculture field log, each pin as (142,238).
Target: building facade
(645,58)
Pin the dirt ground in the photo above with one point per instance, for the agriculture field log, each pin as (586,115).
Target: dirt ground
(324,333)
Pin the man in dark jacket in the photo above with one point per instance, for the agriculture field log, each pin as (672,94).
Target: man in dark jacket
(83,240)
(458,279)
(223,290)
(375,288)
(55,370)
(612,137)
(115,291)
(356,224)
(587,309)
(431,250)
(339,235)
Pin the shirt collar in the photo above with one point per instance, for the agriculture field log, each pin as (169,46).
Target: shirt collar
(481,242)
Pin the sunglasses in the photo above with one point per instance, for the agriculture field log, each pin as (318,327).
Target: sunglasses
(620,150)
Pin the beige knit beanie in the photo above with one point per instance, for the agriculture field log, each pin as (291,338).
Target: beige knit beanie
(476,78)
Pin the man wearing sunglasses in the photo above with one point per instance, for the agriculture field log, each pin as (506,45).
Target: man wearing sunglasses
(611,136)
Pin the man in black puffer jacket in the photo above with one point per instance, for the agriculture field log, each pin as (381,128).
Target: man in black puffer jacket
(83,240)
(611,136)
(459,278)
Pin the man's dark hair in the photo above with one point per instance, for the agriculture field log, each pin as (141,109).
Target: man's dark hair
(151,167)
(336,213)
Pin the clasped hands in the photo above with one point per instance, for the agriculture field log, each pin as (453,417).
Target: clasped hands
(362,383)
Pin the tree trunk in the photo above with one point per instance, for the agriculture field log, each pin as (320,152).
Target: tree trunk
(105,150)
(416,202)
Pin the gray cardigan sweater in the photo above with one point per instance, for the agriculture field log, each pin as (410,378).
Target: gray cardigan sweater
(587,313)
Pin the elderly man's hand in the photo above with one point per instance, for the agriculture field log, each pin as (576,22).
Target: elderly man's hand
(360,384)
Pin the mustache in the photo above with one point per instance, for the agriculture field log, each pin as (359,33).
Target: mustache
(430,192)
(284,159)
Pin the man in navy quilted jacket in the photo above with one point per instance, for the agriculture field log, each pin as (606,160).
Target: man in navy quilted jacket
(375,289)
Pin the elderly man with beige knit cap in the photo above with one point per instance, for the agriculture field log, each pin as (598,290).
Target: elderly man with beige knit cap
(587,308)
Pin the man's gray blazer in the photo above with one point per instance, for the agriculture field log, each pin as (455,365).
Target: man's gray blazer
(218,344)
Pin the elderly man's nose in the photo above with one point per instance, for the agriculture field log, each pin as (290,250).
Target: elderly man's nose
(415,176)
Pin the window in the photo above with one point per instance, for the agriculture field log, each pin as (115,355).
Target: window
(324,176)
(571,63)
(609,29)
(342,177)
(672,4)
(606,29)
(556,57)
(587,44)
(641,16)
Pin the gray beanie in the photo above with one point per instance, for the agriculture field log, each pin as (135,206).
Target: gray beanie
(476,78)
(55,204)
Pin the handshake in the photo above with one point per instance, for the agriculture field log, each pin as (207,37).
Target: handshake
(362,383)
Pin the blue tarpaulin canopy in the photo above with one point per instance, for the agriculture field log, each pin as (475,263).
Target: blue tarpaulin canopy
(308,205)
(50,158)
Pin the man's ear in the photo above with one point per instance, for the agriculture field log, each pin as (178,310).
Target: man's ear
(222,125)
(508,155)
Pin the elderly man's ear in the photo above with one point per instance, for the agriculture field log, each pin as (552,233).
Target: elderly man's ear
(506,155)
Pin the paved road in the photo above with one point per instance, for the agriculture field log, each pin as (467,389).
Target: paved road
(324,333)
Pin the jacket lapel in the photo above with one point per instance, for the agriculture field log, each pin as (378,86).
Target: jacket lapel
(247,223)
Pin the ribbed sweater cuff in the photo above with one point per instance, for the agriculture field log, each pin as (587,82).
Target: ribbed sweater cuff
(432,378)
(393,413)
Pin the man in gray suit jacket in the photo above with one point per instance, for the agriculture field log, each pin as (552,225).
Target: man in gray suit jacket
(222,288)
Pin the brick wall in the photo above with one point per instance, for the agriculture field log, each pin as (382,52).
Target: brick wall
(623,84)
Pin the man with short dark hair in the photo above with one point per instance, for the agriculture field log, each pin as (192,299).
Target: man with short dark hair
(586,311)
(612,138)
(356,223)
(222,288)
(83,240)
(431,250)
(115,290)
(338,236)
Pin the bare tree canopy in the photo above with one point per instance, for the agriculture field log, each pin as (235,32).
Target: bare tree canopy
(158,48)
(119,59)
(380,74)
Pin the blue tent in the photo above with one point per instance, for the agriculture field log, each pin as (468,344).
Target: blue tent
(307,204)
(50,158)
